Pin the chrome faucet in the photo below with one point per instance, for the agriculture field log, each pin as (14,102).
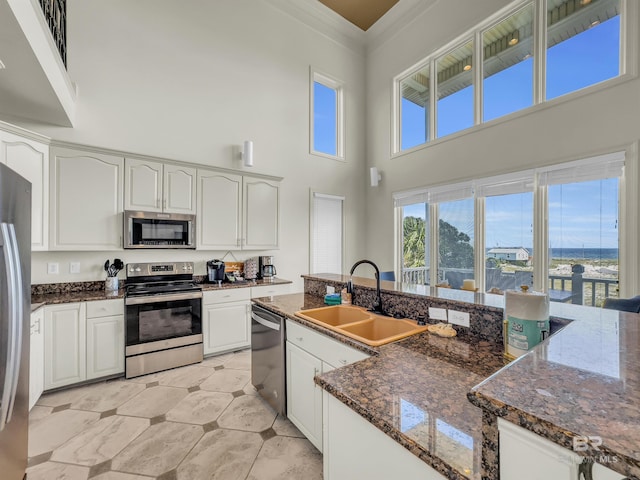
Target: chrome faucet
(377,306)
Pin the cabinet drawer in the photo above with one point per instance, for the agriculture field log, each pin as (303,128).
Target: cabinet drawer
(330,351)
(226,295)
(269,290)
(105,308)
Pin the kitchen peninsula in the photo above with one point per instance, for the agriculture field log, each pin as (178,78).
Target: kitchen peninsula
(423,392)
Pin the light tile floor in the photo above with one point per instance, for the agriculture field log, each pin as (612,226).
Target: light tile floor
(198,422)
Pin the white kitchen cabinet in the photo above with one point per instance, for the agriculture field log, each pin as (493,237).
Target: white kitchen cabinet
(36,357)
(85,200)
(236,212)
(527,456)
(64,344)
(226,322)
(261,208)
(304,397)
(105,338)
(219,222)
(354,448)
(156,187)
(309,353)
(30,159)
(270,290)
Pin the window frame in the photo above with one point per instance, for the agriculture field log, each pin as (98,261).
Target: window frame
(628,223)
(338,86)
(627,69)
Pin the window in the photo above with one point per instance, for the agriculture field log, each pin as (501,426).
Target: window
(508,65)
(414,108)
(415,243)
(556,224)
(582,45)
(327,233)
(327,116)
(455,90)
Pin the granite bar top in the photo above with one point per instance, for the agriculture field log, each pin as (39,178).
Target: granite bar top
(414,390)
(584,381)
(246,284)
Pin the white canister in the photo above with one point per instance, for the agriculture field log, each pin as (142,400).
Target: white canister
(111,284)
(527,317)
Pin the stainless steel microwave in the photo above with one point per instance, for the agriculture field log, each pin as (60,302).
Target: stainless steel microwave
(159,230)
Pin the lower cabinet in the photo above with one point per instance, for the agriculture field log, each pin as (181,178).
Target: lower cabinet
(310,353)
(36,357)
(226,322)
(83,341)
(354,448)
(527,456)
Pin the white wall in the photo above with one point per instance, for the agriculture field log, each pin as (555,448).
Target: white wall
(565,129)
(190,81)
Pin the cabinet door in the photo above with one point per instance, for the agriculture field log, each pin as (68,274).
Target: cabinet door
(304,397)
(105,346)
(226,327)
(219,210)
(36,357)
(64,345)
(31,160)
(142,185)
(179,189)
(86,200)
(261,201)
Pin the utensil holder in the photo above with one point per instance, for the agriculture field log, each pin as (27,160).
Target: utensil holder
(111,283)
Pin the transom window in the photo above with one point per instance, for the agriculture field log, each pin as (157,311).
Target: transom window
(327,116)
(581,46)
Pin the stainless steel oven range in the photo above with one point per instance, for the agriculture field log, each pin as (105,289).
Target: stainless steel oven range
(163,317)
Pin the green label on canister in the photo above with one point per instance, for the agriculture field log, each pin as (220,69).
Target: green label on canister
(526,334)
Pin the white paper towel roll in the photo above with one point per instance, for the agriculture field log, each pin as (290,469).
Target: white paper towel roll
(527,314)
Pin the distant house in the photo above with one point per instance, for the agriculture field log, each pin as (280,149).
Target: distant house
(509,254)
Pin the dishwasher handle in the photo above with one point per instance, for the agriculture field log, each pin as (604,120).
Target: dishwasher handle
(265,322)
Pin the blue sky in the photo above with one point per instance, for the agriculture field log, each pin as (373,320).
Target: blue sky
(580,215)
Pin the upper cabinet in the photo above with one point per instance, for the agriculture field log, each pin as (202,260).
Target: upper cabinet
(261,227)
(219,222)
(86,200)
(30,159)
(236,212)
(157,187)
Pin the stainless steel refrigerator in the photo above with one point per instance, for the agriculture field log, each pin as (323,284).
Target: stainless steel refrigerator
(15,313)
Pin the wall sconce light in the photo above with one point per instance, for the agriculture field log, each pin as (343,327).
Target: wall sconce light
(247,153)
(376,176)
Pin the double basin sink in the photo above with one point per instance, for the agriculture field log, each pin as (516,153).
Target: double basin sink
(361,324)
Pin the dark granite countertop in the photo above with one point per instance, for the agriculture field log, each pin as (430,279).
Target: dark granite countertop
(56,293)
(584,381)
(414,390)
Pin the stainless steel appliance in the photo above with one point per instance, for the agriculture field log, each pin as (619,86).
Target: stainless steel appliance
(15,313)
(215,270)
(268,357)
(159,230)
(266,268)
(164,317)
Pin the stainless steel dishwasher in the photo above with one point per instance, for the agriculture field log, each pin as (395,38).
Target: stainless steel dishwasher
(268,357)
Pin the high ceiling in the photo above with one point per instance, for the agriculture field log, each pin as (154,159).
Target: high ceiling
(362,13)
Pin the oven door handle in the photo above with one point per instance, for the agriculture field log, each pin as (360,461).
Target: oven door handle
(171,297)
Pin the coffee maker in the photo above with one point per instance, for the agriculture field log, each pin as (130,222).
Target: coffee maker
(266,268)
(215,270)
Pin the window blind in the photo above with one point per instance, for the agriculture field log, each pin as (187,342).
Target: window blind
(595,168)
(451,193)
(410,197)
(512,183)
(327,235)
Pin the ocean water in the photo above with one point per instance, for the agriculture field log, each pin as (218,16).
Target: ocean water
(581,253)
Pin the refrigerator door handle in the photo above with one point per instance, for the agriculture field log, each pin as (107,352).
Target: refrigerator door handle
(13,273)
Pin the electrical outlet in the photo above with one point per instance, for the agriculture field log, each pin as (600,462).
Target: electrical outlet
(53,268)
(74,267)
(459,318)
(331,290)
(438,313)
